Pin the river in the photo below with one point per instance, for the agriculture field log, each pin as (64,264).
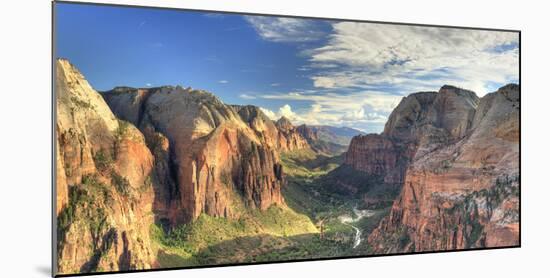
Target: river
(349,220)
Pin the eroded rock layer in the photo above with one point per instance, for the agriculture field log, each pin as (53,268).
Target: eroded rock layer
(461,188)
(289,138)
(421,123)
(211,158)
(103,183)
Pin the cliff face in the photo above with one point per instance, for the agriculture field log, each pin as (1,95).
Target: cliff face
(280,135)
(209,160)
(421,123)
(265,128)
(103,189)
(289,138)
(376,155)
(461,188)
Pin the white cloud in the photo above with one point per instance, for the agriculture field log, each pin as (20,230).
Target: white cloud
(275,84)
(354,115)
(223,81)
(270,114)
(286,111)
(148,84)
(366,110)
(412,58)
(247,96)
(342,103)
(281,29)
(316,108)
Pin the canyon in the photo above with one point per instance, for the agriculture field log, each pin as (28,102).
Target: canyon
(171,176)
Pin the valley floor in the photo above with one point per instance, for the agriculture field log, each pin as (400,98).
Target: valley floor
(316,223)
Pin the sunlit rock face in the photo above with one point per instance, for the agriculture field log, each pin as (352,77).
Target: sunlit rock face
(104,193)
(461,187)
(289,138)
(211,157)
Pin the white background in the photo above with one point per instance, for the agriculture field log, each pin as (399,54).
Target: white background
(25,137)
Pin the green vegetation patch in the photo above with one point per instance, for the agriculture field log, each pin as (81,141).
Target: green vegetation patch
(121,184)
(307,163)
(208,230)
(103,161)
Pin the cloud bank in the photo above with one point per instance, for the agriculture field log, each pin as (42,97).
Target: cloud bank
(360,71)
(281,29)
(407,59)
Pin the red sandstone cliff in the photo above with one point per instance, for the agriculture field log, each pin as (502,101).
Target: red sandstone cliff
(421,123)
(209,160)
(289,138)
(461,188)
(103,189)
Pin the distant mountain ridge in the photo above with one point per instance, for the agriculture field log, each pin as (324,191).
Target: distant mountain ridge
(329,140)
(341,135)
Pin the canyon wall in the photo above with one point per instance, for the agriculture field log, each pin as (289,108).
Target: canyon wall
(461,187)
(103,182)
(128,158)
(211,158)
(421,123)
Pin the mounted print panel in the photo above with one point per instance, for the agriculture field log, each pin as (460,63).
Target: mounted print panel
(187,138)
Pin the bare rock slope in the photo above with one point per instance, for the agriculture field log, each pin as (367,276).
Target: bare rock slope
(103,182)
(461,185)
(211,157)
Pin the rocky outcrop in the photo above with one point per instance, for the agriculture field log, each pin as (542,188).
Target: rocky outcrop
(265,128)
(211,158)
(461,188)
(103,183)
(289,138)
(308,133)
(421,123)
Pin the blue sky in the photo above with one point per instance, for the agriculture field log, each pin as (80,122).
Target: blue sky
(312,71)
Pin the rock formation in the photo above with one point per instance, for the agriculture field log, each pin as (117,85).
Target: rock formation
(461,188)
(289,138)
(103,182)
(281,135)
(209,160)
(420,123)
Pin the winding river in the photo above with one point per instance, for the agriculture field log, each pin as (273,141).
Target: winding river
(349,220)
